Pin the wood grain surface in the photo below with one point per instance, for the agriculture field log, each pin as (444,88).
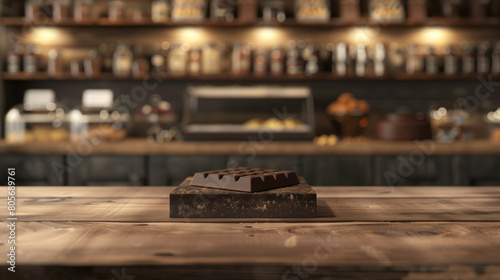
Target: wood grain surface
(361,233)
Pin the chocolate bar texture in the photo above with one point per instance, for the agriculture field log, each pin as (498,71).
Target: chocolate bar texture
(245,179)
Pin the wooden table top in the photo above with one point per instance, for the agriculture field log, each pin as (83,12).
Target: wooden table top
(374,232)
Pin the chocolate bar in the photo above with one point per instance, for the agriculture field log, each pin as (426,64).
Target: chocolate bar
(245,179)
(297,201)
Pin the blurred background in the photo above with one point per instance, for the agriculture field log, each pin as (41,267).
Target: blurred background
(344,92)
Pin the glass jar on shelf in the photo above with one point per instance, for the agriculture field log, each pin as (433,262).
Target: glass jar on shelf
(260,62)
(140,65)
(106,52)
(398,54)
(379,59)
(92,64)
(139,14)
(39,119)
(226,53)
(32,9)
(30,59)
(361,60)
(60,10)
(483,58)
(468,58)
(160,11)
(177,59)
(241,59)
(157,60)
(74,68)
(14,58)
(431,61)
(277,61)
(83,10)
(55,63)
(210,59)
(340,60)
(194,61)
(116,11)
(450,60)
(293,59)
(122,60)
(451,8)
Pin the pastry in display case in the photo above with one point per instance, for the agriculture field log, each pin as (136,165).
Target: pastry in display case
(98,119)
(349,116)
(454,124)
(248,112)
(39,119)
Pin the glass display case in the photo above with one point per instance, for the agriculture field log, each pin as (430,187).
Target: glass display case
(262,113)
(98,119)
(38,119)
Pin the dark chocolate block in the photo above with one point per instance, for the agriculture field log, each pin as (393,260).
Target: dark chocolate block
(297,201)
(245,179)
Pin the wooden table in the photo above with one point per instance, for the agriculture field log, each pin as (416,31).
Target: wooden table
(361,233)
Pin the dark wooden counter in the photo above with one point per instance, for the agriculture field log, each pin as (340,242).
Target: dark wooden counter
(143,147)
(361,233)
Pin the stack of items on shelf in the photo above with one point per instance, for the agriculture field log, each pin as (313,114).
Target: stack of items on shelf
(387,10)
(312,10)
(162,11)
(159,11)
(296,58)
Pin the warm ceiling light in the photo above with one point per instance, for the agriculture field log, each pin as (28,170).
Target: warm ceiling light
(434,35)
(267,36)
(45,36)
(192,35)
(266,33)
(364,34)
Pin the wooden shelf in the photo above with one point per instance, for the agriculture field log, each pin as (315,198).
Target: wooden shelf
(336,22)
(140,146)
(104,22)
(42,76)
